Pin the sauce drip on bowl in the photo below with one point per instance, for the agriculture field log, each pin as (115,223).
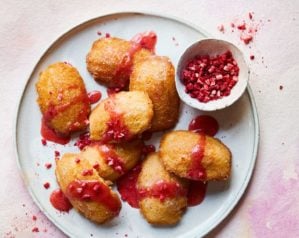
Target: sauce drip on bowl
(146,40)
(204,124)
(196,192)
(60,201)
(50,135)
(126,186)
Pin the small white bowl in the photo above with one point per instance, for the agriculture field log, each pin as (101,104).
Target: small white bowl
(212,47)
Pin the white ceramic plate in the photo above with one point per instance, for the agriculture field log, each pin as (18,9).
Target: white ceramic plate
(238,130)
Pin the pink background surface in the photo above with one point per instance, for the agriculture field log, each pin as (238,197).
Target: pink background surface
(270,207)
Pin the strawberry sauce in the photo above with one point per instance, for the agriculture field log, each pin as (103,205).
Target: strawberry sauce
(83,140)
(196,170)
(54,110)
(162,190)
(112,159)
(60,201)
(50,135)
(94,96)
(204,124)
(126,186)
(93,191)
(196,192)
(146,40)
(116,129)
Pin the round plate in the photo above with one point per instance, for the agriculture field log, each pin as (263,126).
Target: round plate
(238,130)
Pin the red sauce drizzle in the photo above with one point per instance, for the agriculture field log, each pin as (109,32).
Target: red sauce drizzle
(54,110)
(93,191)
(50,135)
(112,159)
(60,201)
(196,192)
(126,186)
(83,140)
(196,170)
(83,115)
(162,190)
(94,96)
(116,129)
(146,40)
(204,124)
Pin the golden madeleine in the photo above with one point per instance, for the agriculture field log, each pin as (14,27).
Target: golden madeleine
(155,76)
(109,60)
(85,189)
(121,117)
(162,196)
(62,98)
(195,156)
(104,58)
(113,160)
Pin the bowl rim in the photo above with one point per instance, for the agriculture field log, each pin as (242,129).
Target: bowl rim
(193,102)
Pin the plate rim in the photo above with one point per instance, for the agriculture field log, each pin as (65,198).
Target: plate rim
(232,205)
